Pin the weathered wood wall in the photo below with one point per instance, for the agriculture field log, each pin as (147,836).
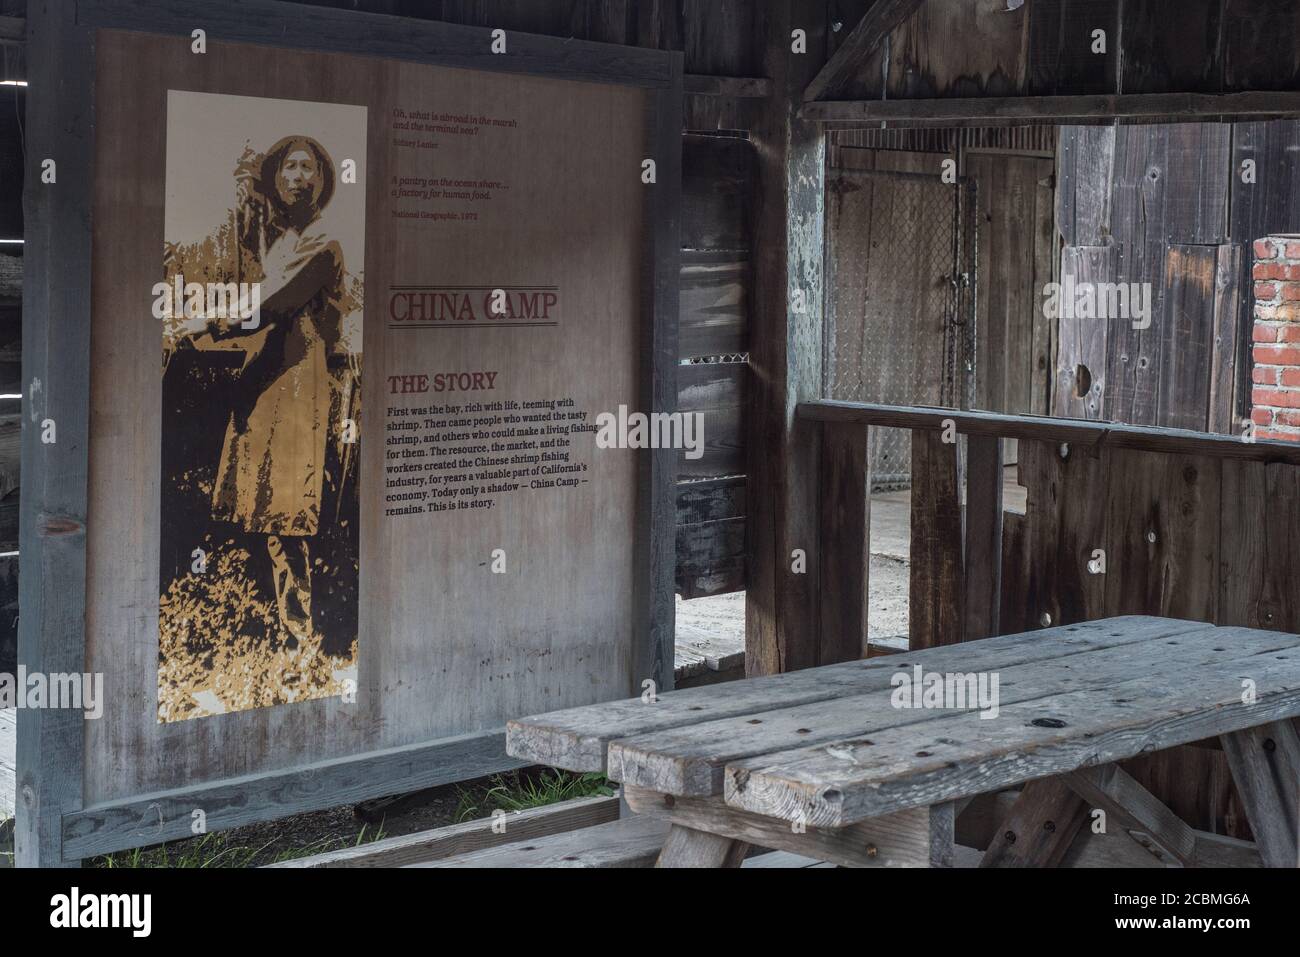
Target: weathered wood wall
(1183,535)
(1173,206)
(1045,47)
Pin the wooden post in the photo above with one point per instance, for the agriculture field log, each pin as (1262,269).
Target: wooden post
(56,377)
(1042,825)
(657,471)
(1265,764)
(845,492)
(935,589)
(983,536)
(781,621)
(687,847)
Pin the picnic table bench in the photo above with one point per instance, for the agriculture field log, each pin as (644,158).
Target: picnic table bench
(835,763)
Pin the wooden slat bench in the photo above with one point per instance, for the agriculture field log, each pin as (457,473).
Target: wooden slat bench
(823,763)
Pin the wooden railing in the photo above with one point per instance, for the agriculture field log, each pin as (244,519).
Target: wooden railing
(1120,520)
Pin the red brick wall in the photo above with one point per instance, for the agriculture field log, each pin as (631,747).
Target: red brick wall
(1276,376)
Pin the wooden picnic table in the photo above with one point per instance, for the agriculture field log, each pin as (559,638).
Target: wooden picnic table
(830,763)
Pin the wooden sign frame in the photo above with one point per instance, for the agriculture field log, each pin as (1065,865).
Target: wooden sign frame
(53,826)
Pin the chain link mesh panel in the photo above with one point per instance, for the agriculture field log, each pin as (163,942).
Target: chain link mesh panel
(900,301)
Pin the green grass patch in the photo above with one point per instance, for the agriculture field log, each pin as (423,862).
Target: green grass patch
(521,790)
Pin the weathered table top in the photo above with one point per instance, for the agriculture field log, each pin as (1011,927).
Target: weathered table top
(832,746)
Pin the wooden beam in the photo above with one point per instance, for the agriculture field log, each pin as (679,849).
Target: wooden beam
(655,555)
(232,802)
(1265,763)
(1079,432)
(469,836)
(845,542)
(983,559)
(936,583)
(56,368)
(1042,825)
(687,847)
(740,87)
(1188,107)
(920,837)
(781,621)
(876,24)
(1112,790)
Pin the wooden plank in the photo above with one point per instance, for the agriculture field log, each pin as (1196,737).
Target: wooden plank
(1163,53)
(577,738)
(919,57)
(1082,355)
(655,538)
(1162,535)
(1150,107)
(983,559)
(1265,762)
(1061,59)
(1135,355)
(1227,351)
(56,367)
(875,25)
(165,816)
(710,558)
(714,304)
(949,757)
(1134,807)
(785,350)
(710,538)
(717,179)
(1187,338)
(1121,848)
(1071,431)
(710,500)
(935,599)
(743,87)
(1040,829)
(630,842)
(469,836)
(690,760)
(783,859)
(1046,269)
(1015,614)
(1259,48)
(1016,246)
(1065,577)
(688,847)
(1086,166)
(896,840)
(1259,557)
(401,38)
(1171,184)
(717,390)
(845,497)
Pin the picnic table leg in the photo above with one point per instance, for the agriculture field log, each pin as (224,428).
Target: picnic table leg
(1042,825)
(687,847)
(1265,764)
